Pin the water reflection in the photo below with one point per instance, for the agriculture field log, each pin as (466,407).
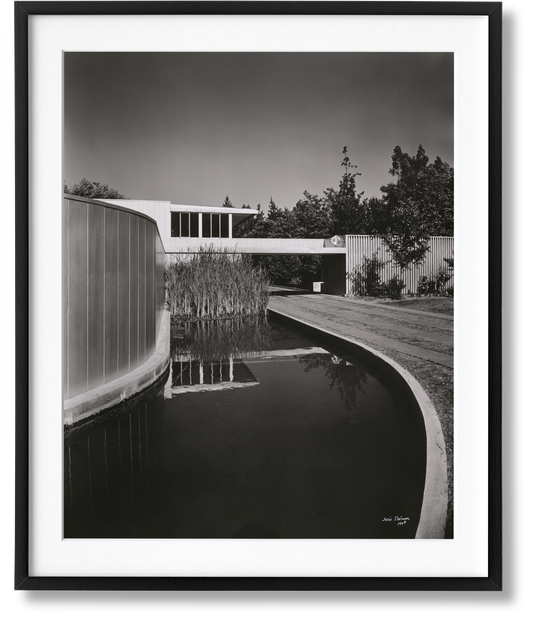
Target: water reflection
(109,472)
(205,355)
(220,339)
(215,355)
(190,375)
(315,447)
(342,374)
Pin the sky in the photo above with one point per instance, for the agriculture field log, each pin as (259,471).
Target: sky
(194,128)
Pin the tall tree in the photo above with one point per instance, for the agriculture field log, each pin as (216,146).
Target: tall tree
(418,205)
(275,213)
(344,204)
(91,189)
(280,222)
(227,203)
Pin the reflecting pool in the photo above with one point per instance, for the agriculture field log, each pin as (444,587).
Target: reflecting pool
(256,431)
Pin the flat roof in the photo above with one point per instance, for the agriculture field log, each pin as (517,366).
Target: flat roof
(212,209)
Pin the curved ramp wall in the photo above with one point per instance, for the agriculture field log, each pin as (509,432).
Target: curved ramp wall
(114,292)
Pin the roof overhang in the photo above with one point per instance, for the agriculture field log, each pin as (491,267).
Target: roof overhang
(210,209)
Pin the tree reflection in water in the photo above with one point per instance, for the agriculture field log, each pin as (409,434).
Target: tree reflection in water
(246,337)
(348,378)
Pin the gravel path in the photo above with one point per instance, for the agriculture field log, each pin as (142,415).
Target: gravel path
(419,334)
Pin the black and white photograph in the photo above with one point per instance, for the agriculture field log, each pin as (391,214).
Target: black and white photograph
(258,295)
(259,302)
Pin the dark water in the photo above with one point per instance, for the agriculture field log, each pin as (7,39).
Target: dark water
(269,436)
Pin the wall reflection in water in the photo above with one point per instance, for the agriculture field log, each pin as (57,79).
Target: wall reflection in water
(110,469)
(205,355)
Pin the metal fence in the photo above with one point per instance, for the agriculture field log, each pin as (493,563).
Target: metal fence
(114,292)
(359,246)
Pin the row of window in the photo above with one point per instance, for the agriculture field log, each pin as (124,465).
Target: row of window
(187,224)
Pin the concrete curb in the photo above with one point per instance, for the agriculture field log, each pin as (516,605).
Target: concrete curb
(432,522)
(111,394)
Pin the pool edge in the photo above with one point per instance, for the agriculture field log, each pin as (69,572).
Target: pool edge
(432,523)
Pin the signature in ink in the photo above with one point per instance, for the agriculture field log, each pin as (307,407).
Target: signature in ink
(399,520)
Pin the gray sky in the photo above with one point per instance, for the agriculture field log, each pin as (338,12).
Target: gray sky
(193,127)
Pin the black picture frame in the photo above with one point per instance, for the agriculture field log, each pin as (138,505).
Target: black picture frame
(23,581)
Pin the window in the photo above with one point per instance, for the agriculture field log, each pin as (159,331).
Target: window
(175,224)
(206,225)
(184,224)
(224,225)
(194,224)
(215,225)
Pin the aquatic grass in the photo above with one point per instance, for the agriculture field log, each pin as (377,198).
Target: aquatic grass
(215,284)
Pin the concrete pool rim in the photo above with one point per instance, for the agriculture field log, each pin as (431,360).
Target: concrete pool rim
(432,523)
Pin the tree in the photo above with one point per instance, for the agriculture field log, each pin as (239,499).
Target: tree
(91,189)
(418,205)
(283,223)
(280,222)
(274,212)
(346,210)
(338,212)
(374,220)
(227,203)
(311,218)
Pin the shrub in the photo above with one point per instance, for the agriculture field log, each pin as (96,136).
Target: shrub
(394,287)
(450,262)
(215,284)
(366,278)
(449,291)
(434,284)
(423,285)
(441,278)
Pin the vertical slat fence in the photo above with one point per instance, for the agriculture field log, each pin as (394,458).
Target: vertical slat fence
(359,246)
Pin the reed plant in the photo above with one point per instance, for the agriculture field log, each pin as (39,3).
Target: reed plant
(215,284)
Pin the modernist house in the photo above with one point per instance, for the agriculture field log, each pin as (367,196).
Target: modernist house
(187,227)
